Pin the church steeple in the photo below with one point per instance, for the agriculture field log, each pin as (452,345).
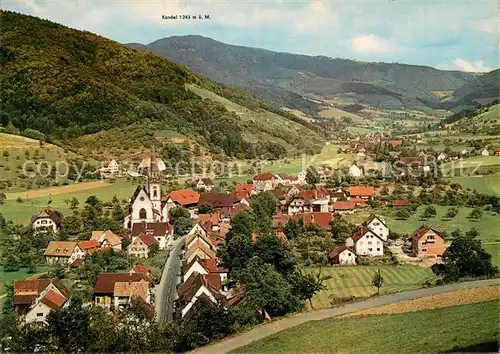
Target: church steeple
(154,179)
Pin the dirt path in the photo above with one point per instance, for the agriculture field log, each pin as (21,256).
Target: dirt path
(271,328)
(45,192)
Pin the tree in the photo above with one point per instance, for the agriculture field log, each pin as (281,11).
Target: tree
(305,285)
(403,214)
(452,212)
(465,258)
(56,271)
(377,281)
(19,200)
(476,213)
(73,204)
(312,176)
(204,209)
(11,264)
(341,230)
(429,212)
(264,207)
(3,196)
(178,212)
(182,225)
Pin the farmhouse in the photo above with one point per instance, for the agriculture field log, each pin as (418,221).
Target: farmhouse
(361,192)
(426,242)
(28,294)
(497,151)
(104,289)
(88,247)
(399,203)
(283,178)
(125,291)
(395,143)
(110,167)
(205,184)
(47,220)
(64,252)
(309,201)
(264,182)
(142,245)
(366,243)
(485,152)
(342,256)
(217,200)
(377,224)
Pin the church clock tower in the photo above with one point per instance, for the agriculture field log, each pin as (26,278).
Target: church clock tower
(154,179)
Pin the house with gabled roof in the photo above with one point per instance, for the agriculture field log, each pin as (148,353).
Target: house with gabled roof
(28,293)
(378,225)
(199,243)
(205,184)
(188,198)
(315,200)
(197,287)
(50,299)
(64,252)
(88,246)
(105,286)
(264,182)
(125,291)
(361,192)
(46,220)
(344,207)
(217,200)
(107,239)
(163,232)
(427,242)
(342,255)
(365,242)
(142,246)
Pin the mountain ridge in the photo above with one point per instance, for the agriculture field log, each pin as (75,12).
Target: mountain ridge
(389,85)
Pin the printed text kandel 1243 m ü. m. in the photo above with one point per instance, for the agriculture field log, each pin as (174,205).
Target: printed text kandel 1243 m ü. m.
(185,17)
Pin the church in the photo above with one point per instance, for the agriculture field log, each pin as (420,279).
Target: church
(145,204)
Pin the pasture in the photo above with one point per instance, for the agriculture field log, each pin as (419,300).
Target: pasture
(21,212)
(356,281)
(464,328)
(8,277)
(489,184)
(487,225)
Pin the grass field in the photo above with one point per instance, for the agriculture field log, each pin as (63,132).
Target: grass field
(7,277)
(456,328)
(494,250)
(21,212)
(356,281)
(487,225)
(489,184)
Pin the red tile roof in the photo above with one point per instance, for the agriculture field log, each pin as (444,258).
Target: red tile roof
(211,266)
(151,228)
(338,250)
(423,229)
(88,245)
(140,269)
(244,188)
(25,291)
(77,263)
(321,219)
(47,213)
(349,205)
(417,160)
(183,196)
(264,177)
(311,194)
(217,199)
(400,203)
(361,191)
(105,283)
(395,143)
(148,240)
(213,218)
(53,299)
(362,232)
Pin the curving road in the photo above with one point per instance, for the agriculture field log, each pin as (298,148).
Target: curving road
(166,291)
(271,328)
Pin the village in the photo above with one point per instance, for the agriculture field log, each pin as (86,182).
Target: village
(151,217)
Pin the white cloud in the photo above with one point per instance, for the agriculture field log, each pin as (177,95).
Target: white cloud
(477,66)
(371,44)
(490,25)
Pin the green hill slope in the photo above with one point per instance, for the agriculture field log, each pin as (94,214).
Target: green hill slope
(70,84)
(387,85)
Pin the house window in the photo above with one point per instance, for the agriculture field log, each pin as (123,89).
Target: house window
(349,254)
(142,213)
(39,314)
(375,223)
(370,249)
(155,193)
(44,221)
(424,249)
(378,249)
(430,237)
(369,242)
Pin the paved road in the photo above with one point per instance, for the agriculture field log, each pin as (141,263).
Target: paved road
(166,291)
(274,327)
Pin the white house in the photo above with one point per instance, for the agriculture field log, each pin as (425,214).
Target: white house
(163,232)
(366,243)
(377,225)
(485,152)
(343,256)
(205,184)
(47,220)
(51,298)
(111,167)
(465,151)
(309,201)
(64,252)
(355,171)
(195,287)
(264,182)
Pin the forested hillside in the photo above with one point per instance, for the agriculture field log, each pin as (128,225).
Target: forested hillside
(68,84)
(387,85)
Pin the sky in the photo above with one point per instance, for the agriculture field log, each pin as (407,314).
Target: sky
(451,35)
